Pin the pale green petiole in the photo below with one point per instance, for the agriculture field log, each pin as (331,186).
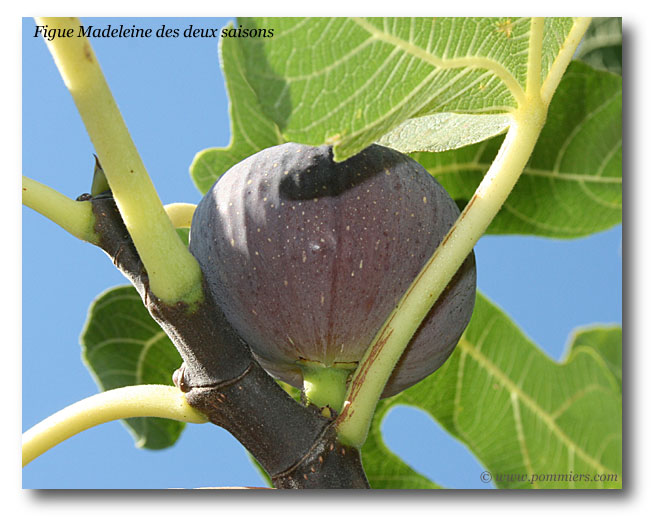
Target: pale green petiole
(385,350)
(73,216)
(77,217)
(180,214)
(377,364)
(160,401)
(174,274)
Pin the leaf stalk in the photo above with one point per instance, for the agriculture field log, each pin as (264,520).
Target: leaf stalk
(174,275)
(385,350)
(159,401)
(75,217)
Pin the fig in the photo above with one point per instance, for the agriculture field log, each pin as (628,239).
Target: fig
(307,257)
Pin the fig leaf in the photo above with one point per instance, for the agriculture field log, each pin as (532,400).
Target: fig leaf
(519,412)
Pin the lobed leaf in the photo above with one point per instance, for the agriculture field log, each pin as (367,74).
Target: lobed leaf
(605,345)
(384,469)
(521,413)
(364,77)
(122,345)
(572,185)
(251,130)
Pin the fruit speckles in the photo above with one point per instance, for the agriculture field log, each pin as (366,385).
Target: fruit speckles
(332,248)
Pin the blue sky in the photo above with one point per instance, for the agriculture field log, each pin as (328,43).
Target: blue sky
(172,95)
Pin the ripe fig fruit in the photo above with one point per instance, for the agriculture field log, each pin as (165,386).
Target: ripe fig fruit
(307,258)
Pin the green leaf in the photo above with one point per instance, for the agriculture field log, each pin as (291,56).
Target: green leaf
(601,46)
(365,77)
(264,474)
(122,345)
(183,233)
(439,132)
(409,83)
(605,345)
(523,414)
(251,130)
(383,468)
(572,185)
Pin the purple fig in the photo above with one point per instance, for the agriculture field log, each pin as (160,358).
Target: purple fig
(307,257)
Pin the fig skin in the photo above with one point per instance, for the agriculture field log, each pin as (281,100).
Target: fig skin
(307,257)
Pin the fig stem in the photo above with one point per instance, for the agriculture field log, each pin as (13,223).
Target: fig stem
(385,350)
(325,386)
(160,401)
(75,217)
(174,274)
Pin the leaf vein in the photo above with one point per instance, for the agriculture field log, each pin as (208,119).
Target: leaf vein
(443,64)
(530,403)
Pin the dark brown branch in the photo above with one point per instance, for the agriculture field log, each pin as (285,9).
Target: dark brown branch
(329,464)
(295,444)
